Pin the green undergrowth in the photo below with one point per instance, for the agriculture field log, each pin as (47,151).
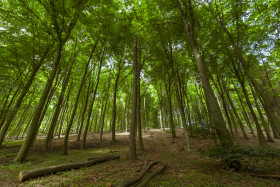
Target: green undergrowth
(239,157)
(183,169)
(9,171)
(12,143)
(188,170)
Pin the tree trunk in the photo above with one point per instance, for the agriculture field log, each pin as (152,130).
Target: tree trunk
(245,113)
(103,115)
(212,103)
(133,125)
(266,98)
(169,101)
(226,110)
(236,115)
(57,109)
(76,101)
(21,156)
(83,145)
(268,136)
(261,137)
(114,112)
(3,108)
(89,91)
(139,127)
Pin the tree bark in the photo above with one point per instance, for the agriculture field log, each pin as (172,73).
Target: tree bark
(21,156)
(265,125)
(76,101)
(266,98)
(237,116)
(134,180)
(169,101)
(83,145)
(25,175)
(261,137)
(139,126)
(84,110)
(114,112)
(212,103)
(133,125)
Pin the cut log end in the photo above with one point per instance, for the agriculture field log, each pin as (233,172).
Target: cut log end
(20,176)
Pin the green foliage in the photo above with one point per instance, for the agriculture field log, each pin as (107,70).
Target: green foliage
(233,157)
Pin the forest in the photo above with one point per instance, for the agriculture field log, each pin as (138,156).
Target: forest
(164,92)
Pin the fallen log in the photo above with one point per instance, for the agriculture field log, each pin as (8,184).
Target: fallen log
(149,178)
(25,175)
(133,180)
(7,147)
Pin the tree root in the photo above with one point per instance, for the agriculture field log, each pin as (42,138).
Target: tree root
(135,180)
(149,178)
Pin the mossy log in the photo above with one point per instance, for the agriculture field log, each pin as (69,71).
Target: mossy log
(25,175)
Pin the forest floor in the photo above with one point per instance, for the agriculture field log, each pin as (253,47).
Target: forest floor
(183,168)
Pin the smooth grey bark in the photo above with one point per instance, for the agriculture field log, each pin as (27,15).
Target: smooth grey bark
(244,113)
(265,97)
(265,125)
(105,107)
(3,108)
(85,107)
(114,112)
(261,137)
(170,111)
(187,14)
(34,126)
(8,112)
(83,145)
(236,115)
(57,109)
(69,125)
(139,125)
(226,110)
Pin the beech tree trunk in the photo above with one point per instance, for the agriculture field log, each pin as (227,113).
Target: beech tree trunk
(139,125)
(114,112)
(268,136)
(57,109)
(87,95)
(105,107)
(83,145)
(237,116)
(133,125)
(76,101)
(261,137)
(245,113)
(34,126)
(212,103)
(226,110)
(170,111)
(266,98)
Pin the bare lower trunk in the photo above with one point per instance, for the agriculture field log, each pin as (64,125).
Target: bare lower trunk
(69,126)
(133,125)
(21,156)
(212,103)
